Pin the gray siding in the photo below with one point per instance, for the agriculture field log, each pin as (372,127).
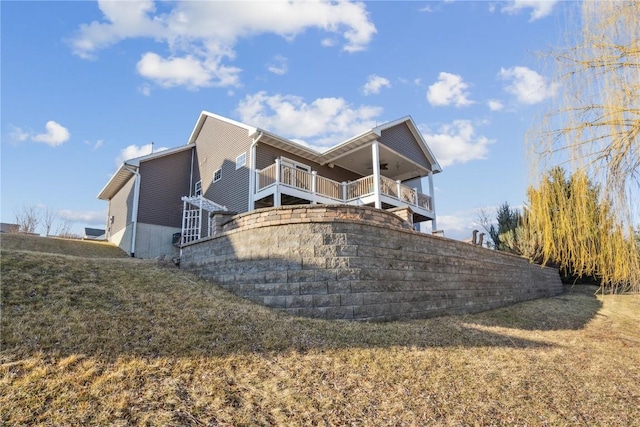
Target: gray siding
(164,181)
(266,155)
(121,208)
(399,138)
(217,146)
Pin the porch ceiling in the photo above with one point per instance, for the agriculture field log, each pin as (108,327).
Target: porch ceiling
(354,155)
(397,167)
(290,146)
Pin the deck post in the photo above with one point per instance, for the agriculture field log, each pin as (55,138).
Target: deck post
(375,159)
(314,176)
(399,189)
(276,193)
(344,191)
(432,203)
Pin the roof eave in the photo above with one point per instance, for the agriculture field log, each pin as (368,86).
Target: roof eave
(116,182)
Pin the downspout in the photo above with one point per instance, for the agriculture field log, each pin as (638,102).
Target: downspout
(134,214)
(252,170)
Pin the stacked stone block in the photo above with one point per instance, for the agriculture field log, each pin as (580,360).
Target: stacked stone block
(345,262)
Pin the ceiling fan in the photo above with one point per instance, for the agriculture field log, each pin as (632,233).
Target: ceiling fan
(383,166)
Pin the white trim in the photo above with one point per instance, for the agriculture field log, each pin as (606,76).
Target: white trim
(215,172)
(252,171)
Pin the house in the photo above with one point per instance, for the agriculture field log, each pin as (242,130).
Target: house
(166,198)
(9,228)
(93,234)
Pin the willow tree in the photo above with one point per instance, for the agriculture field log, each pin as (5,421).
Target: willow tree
(593,131)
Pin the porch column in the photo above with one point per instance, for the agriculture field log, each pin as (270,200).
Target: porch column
(276,193)
(434,226)
(375,158)
(314,186)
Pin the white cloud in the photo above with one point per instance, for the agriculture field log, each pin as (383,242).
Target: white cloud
(540,8)
(448,90)
(278,65)
(495,104)
(145,89)
(133,151)
(17,134)
(460,224)
(95,145)
(89,217)
(319,124)
(201,36)
(457,143)
(186,71)
(328,42)
(374,84)
(55,134)
(454,223)
(528,86)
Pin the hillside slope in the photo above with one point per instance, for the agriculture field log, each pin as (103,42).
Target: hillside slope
(83,248)
(90,341)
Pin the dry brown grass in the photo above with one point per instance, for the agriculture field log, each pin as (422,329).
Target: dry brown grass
(83,248)
(125,342)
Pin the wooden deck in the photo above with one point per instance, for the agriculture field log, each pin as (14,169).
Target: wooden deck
(280,179)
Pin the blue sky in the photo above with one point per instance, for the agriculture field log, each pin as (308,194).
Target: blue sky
(85,85)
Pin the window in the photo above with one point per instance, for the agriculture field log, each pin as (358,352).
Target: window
(199,188)
(295,165)
(217,175)
(241,160)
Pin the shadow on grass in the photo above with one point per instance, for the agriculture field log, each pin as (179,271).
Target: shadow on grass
(571,310)
(117,308)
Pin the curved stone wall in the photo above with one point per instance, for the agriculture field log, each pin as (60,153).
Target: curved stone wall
(346,262)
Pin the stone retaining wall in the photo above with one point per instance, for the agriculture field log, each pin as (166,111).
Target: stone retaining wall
(345,262)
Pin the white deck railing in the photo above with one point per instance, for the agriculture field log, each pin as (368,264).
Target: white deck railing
(344,192)
(360,187)
(328,188)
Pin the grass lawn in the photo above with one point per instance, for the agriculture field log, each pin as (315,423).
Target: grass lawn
(92,339)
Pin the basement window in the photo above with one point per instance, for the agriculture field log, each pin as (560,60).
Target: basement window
(217,175)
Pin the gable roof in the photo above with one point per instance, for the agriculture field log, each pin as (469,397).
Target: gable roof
(332,153)
(93,232)
(9,228)
(203,117)
(128,168)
